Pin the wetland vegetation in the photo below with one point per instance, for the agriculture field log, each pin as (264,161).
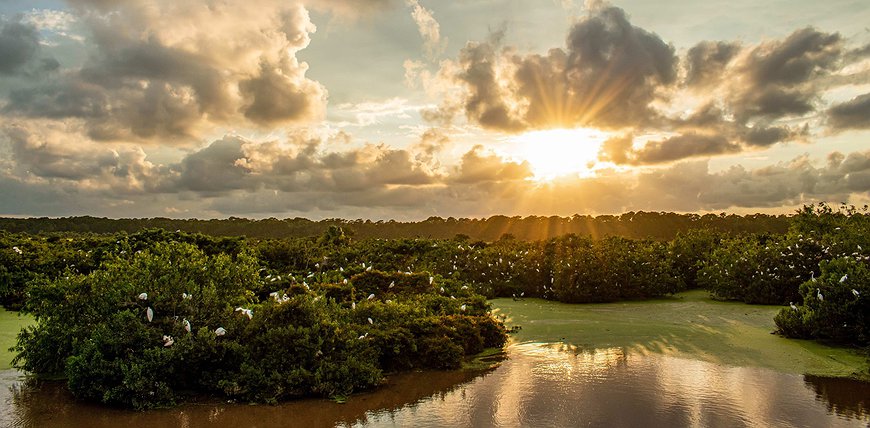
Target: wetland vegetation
(153,318)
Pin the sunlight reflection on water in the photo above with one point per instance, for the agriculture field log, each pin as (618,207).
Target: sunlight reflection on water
(538,385)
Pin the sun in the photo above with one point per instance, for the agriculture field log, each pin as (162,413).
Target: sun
(555,153)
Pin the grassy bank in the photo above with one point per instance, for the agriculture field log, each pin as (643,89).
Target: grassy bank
(689,325)
(10,324)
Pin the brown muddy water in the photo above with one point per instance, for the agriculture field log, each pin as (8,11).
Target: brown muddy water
(537,385)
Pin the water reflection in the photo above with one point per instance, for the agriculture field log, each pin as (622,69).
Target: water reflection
(539,385)
(847,397)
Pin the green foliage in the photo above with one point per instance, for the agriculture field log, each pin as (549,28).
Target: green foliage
(611,269)
(836,304)
(762,269)
(154,324)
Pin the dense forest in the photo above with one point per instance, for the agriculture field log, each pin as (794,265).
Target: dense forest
(349,308)
(652,225)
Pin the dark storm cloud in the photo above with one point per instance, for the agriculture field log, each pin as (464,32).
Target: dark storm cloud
(214,168)
(606,76)
(681,147)
(486,103)
(706,61)
(20,50)
(275,98)
(852,114)
(775,78)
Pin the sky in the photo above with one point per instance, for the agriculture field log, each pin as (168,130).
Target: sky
(407,109)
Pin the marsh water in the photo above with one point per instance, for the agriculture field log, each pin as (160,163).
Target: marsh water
(606,379)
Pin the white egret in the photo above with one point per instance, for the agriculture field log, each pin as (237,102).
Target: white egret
(186,325)
(186,296)
(353,305)
(431,278)
(369,269)
(274,295)
(247,312)
(220,331)
(819,295)
(370,320)
(855,292)
(344,281)
(844,278)
(792,305)
(143,296)
(167,341)
(149,314)
(392,284)
(17,250)
(462,308)
(371,296)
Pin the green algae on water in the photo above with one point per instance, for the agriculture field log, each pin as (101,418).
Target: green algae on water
(688,325)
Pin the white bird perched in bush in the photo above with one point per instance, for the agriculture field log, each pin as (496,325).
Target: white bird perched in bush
(186,296)
(17,250)
(247,312)
(371,296)
(392,284)
(149,314)
(819,295)
(167,341)
(431,278)
(855,292)
(370,321)
(186,324)
(274,295)
(792,305)
(369,269)
(143,296)
(844,278)
(220,331)
(462,308)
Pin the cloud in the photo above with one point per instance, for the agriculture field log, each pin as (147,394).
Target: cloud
(620,149)
(775,79)
(20,49)
(55,153)
(351,9)
(607,76)
(429,29)
(301,174)
(168,71)
(476,167)
(277,97)
(718,97)
(706,60)
(852,114)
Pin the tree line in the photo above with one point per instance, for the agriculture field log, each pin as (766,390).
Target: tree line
(638,225)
